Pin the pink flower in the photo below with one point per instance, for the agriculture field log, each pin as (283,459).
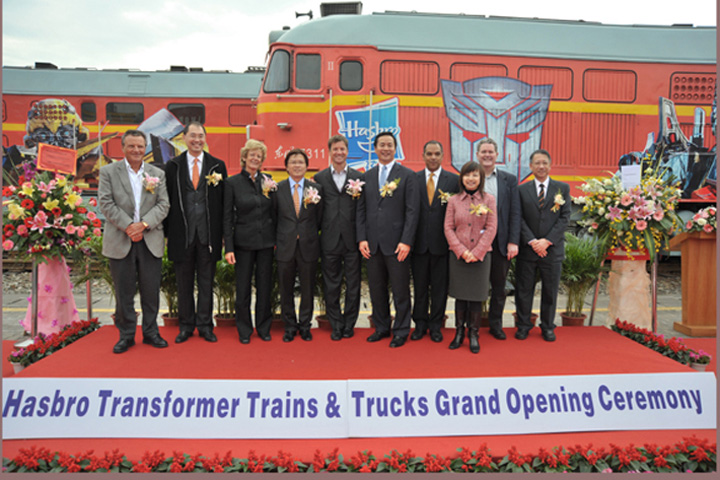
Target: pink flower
(93,202)
(97,232)
(63,300)
(594,225)
(658,215)
(70,229)
(614,213)
(689,225)
(91,216)
(48,288)
(39,223)
(625,200)
(22,230)
(708,228)
(8,245)
(80,232)
(641,225)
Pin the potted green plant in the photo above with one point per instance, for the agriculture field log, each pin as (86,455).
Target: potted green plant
(169,291)
(225,290)
(580,269)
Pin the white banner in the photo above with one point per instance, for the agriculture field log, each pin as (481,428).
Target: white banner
(164,408)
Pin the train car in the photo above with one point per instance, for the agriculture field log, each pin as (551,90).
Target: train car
(89,110)
(587,92)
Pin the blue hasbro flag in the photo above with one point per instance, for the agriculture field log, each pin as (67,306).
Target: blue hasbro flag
(361,125)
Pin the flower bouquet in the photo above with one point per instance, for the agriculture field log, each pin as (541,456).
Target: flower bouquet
(704,220)
(640,218)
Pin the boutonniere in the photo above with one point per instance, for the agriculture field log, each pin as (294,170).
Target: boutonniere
(354,188)
(213,179)
(444,196)
(150,183)
(480,209)
(559,201)
(268,185)
(389,188)
(311,197)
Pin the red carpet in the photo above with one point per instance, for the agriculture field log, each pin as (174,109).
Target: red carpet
(586,350)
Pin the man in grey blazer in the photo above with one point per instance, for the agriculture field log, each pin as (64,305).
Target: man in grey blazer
(503,186)
(340,255)
(387,217)
(133,197)
(430,252)
(545,205)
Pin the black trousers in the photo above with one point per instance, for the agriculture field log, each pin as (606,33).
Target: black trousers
(525,288)
(335,266)
(305,271)
(498,276)
(430,286)
(248,262)
(384,270)
(197,263)
(141,270)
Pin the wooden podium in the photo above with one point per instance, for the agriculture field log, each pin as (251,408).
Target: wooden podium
(699,282)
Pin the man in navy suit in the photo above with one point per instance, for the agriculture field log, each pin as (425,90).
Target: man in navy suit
(503,186)
(545,205)
(430,252)
(387,217)
(340,256)
(299,213)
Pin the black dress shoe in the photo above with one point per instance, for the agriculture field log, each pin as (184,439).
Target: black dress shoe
(306,335)
(336,336)
(397,342)
(348,333)
(123,345)
(244,340)
(289,337)
(499,334)
(521,334)
(183,336)
(436,336)
(417,334)
(156,341)
(266,337)
(208,336)
(376,337)
(548,335)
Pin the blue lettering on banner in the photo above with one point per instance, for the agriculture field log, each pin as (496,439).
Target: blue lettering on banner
(447,404)
(384,406)
(289,407)
(57,406)
(652,399)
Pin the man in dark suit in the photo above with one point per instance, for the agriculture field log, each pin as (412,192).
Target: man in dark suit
(545,205)
(133,197)
(430,252)
(299,214)
(387,217)
(194,229)
(503,186)
(340,255)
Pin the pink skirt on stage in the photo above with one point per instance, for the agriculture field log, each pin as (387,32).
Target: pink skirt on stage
(56,304)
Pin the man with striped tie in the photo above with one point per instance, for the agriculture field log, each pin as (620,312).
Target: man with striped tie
(545,205)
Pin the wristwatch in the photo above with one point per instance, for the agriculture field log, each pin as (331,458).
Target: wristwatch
(146,225)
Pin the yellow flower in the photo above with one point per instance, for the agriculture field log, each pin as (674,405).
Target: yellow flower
(479,209)
(28,189)
(61,181)
(50,204)
(16,211)
(72,199)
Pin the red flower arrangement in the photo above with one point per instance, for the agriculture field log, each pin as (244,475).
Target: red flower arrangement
(689,455)
(45,345)
(673,348)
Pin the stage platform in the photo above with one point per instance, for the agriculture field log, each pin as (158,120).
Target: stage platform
(577,351)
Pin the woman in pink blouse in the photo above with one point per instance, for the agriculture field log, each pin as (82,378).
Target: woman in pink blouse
(470,225)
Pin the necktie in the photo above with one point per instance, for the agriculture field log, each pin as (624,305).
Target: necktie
(296,199)
(195,174)
(431,188)
(541,195)
(383,175)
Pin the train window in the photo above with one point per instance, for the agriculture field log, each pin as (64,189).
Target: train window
(188,112)
(419,78)
(88,112)
(560,78)
(278,75)
(241,114)
(124,113)
(461,72)
(351,75)
(692,88)
(307,71)
(609,86)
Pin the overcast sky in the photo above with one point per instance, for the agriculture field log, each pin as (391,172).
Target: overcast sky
(232,35)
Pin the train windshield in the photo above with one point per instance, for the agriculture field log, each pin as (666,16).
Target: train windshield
(278,76)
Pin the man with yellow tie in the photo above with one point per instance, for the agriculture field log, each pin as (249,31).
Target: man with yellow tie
(194,228)
(430,252)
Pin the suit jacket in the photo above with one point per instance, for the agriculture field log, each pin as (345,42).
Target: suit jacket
(176,225)
(467,231)
(117,203)
(430,236)
(540,223)
(338,218)
(508,211)
(249,218)
(304,227)
(386,221)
